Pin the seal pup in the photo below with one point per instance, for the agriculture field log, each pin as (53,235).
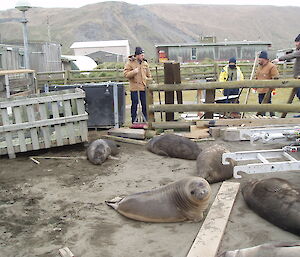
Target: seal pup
(267,250)
(99,150)
(182,200)
(276,200)
(174,146)
(209,164)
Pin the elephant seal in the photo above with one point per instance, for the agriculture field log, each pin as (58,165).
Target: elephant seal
(267,250)
(276,200)
(174,146)
(182,200)
(114,147)
(99,150)
(209,164)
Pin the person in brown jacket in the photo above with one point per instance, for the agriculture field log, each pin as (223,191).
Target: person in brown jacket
(137,71)
(266,70)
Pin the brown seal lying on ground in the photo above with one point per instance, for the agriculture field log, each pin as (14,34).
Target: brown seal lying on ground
(276,200)
(209,164)
(185,199)
(174,146)
(99,150)
(267,250)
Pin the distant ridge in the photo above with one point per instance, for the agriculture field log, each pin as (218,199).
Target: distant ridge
(154,24)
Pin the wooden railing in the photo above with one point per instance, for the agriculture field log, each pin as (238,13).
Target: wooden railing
(188,73)
(213,107)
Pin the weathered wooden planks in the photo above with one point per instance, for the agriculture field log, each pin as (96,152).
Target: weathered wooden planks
(37,122)
(210,234)
(127,132)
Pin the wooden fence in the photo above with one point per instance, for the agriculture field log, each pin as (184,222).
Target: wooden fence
(42,121)
(188,73)
(212,107)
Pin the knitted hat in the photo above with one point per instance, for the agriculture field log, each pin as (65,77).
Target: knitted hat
(232,60)
(139,50)
(263,54)
(297,39)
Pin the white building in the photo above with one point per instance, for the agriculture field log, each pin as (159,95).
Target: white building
(103,51)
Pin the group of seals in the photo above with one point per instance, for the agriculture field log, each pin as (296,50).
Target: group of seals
(174,146)
(209,160)
(99,150)
(267,250)
(276,200)
(183,200)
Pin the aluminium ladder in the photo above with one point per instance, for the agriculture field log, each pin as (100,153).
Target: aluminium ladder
(263,165)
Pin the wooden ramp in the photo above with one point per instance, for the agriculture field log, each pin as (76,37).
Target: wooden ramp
(207,241)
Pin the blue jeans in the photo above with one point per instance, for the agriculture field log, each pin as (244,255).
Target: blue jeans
(298,93)
(134,104)
(260,99)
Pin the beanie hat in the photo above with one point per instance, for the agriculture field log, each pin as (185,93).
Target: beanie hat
(232,60)
(139,50)
(297,39)
(263,54)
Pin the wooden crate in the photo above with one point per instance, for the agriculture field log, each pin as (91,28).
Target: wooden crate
(42,121)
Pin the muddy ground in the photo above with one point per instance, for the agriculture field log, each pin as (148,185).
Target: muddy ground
(60,203)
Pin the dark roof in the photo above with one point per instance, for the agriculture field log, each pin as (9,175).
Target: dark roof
(227,43)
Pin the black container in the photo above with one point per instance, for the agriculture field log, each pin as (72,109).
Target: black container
(99,102)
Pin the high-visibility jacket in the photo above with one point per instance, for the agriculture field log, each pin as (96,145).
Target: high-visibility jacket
(224,74)
(224,77)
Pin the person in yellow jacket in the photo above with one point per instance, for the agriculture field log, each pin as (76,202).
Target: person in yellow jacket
(231,72)
(137,71)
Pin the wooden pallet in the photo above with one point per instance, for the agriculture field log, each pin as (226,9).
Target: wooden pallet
(42,121)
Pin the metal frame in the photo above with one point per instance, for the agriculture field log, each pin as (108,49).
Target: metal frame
(264,166)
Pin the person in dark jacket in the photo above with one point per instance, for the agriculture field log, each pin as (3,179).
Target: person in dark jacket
(294,55)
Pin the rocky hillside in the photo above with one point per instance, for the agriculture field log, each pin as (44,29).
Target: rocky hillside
(150,24)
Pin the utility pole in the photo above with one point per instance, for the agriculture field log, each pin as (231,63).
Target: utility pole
(23,7)
(48,27)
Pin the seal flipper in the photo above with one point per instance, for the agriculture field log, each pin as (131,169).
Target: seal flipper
(114,203)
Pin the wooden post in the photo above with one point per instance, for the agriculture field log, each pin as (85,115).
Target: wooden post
(177,80)
(290,100)
(216,71)
(284,70)
(149,101)
(66,75)
(159,96)
(169,96)
(210,95)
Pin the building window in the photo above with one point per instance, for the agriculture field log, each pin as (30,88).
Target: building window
(22,60)
(194,54)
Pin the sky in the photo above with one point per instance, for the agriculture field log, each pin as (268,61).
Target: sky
(10,4)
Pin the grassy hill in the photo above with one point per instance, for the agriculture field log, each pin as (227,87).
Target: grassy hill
(151,24)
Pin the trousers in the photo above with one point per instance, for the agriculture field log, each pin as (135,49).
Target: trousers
(134,104)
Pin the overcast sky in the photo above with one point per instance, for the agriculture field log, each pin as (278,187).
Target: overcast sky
(9,4)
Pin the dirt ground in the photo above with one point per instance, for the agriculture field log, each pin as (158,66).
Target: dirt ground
(60,203)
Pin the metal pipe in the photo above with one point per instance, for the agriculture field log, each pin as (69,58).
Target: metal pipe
(25,38)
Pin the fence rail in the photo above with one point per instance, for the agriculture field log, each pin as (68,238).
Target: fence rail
(211,107)
(188,72)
